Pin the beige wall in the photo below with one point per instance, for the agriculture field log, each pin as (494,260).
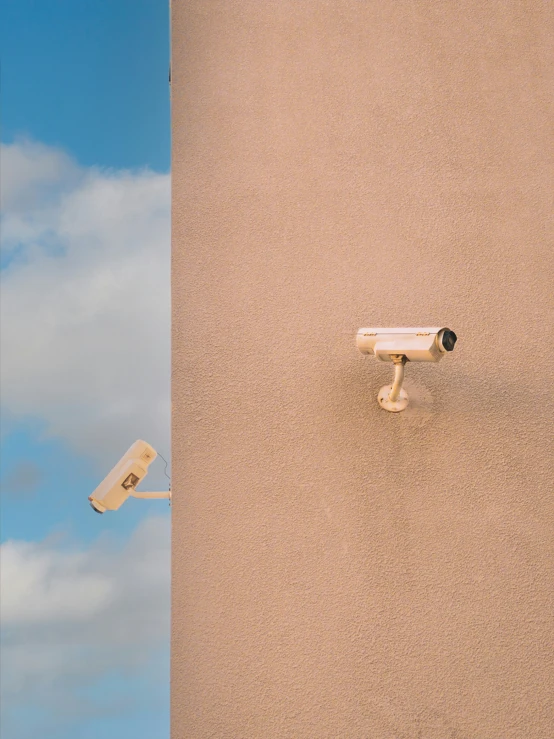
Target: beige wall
(340,571)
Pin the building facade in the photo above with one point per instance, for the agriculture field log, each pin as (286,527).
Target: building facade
(338,570)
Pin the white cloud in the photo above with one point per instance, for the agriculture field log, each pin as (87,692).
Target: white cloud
(85,300)
(42,585)
(33,175)
(69,617)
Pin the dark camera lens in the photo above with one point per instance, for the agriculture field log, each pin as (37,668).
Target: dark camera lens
(448,340)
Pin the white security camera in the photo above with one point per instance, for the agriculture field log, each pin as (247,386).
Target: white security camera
(121,482)
(401,345)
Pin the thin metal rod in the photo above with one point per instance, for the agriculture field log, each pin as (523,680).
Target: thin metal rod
(165,495)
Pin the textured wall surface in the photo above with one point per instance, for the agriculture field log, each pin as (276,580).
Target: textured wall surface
(340,571)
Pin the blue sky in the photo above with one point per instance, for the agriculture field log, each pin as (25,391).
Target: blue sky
(89,76)
(84,319)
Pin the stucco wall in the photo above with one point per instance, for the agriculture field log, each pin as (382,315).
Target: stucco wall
(341,571)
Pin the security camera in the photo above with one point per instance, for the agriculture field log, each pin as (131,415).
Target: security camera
(401,345)
(121,482)
(416,344)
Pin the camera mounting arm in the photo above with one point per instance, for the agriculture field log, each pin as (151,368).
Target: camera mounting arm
(393,397)
(166,495)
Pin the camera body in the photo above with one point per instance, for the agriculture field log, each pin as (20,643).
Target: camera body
(415,344)
(121,482)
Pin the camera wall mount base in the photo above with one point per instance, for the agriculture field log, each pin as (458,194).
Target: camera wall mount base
(395,406)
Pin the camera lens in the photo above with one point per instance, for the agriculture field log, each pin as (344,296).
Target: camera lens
(448,340)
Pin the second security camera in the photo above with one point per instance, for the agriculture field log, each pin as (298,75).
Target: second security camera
(122,481)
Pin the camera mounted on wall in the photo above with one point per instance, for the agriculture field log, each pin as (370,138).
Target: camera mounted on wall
(399,346)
